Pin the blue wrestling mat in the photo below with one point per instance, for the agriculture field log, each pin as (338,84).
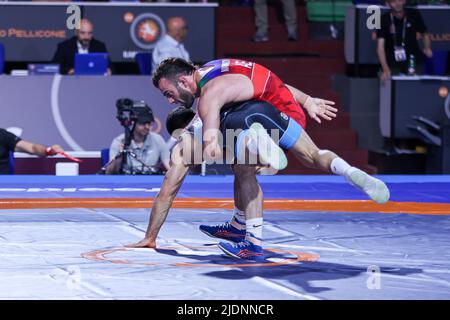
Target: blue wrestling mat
(78,253)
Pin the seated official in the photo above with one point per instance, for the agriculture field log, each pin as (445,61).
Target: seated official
(171,45)
(9,142)
(82,42)
(152,154)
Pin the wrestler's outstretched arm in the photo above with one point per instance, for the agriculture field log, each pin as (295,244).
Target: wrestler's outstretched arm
(317,108)
(172,182)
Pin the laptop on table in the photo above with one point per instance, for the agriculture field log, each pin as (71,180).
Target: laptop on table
(91,63)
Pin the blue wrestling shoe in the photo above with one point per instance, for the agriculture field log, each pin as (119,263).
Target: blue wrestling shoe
(243,250)
(224,231)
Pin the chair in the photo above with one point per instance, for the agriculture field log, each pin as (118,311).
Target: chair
(327,10)
(2,58)
(144,61)
(12,162)
(105,156)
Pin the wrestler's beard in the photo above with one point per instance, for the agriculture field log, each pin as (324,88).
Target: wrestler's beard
(186,98)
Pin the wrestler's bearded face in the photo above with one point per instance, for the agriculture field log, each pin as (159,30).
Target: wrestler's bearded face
(185,98)
(177,92)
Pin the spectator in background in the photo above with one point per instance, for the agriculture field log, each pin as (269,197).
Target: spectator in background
(82,42)
(171,45)
(262,20)
(9,142)
(398,39)
(149,147)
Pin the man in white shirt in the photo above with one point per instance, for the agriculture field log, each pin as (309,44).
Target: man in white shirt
(171,45)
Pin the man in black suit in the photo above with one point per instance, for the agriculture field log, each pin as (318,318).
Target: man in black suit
(82,42)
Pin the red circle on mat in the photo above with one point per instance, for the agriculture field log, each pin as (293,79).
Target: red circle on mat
(101,255)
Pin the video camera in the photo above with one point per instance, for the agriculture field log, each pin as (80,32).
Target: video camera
(128,110)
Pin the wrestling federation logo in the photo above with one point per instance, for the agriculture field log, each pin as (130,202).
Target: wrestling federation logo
(146,30)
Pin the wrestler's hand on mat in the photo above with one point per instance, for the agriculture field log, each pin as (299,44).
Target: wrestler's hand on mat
(144,243)
(319,108)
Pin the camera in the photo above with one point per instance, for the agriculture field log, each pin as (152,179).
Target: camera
(128,110)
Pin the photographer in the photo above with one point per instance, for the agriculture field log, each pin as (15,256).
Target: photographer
(148,150)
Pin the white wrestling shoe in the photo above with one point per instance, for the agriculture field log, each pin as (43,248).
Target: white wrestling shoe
(373,187)
(269,152)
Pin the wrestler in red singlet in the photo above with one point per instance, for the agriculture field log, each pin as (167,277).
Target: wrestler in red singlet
(266,85)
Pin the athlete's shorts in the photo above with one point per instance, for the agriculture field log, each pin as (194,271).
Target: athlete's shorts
(284,130)
(268,87)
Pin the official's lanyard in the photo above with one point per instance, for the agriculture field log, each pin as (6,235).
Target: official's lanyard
(394,33)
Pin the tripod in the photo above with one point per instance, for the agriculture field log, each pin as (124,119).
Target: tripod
(123,155)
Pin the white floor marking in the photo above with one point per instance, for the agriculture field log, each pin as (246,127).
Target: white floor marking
(278,287)
(276,229)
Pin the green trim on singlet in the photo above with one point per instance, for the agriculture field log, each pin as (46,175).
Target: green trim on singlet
(202,82)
